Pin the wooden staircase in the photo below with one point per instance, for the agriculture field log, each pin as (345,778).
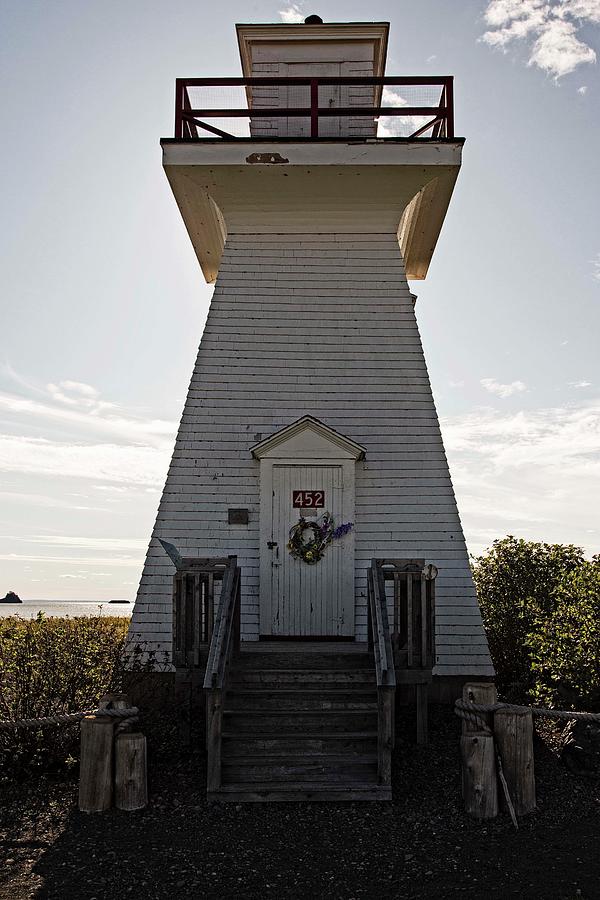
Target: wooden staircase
(300,722)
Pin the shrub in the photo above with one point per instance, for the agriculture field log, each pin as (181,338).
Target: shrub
(565,645)
(58,665)
(517,583)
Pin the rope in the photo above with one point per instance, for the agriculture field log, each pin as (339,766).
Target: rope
(129,715)
(470,713)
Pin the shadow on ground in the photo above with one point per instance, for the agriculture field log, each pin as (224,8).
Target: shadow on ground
(420,846)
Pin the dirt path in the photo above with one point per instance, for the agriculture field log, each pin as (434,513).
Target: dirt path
(420,846)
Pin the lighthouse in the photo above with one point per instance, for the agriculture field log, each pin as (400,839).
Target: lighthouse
(308,522)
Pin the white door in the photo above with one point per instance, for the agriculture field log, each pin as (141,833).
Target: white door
(305,600)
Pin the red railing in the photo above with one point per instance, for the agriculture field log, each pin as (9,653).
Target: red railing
(324,107)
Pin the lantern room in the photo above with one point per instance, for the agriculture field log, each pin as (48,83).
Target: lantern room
(322,55)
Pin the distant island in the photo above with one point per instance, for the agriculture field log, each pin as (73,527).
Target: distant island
(11,597)
(118,601)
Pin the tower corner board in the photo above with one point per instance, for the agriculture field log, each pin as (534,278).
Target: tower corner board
(309,469)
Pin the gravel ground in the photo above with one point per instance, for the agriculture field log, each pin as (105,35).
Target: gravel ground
(420,846)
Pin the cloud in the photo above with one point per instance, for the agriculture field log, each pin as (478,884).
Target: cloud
(582,90)
(84,543)
(398,126)
(558,51)
(596,265)
(123,464)
(291,14)
(531,473)
(580,384)
(78,394)
(78,408)
(550,28)
(133,562)
(503,390)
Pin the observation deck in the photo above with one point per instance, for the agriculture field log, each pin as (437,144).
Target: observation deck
(270,148)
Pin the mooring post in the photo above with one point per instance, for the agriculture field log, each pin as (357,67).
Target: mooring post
(131,784)
(478,757)
(513,732)
(483,692)
(96,764)
(480,786)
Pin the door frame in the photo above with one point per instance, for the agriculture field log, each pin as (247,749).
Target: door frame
(306,442)
(266,536)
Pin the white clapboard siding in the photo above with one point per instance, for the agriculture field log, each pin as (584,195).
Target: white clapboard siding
(322,326)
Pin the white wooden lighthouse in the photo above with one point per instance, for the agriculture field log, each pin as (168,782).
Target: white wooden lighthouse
(309,504)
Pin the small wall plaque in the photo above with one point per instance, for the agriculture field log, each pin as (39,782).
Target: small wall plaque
(237,516)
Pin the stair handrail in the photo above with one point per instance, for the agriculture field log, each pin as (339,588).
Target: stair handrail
(382,644)
(221,640)
(379,633)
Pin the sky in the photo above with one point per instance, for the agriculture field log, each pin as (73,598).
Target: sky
(103,302)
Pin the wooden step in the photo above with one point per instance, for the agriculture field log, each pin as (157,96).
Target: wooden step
(323,661)
(298,721)
(311,699)
(298,744)
(324,770)
(300,676)
(294,758)
(264,792)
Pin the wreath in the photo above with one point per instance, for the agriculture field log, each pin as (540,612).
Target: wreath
(309,539)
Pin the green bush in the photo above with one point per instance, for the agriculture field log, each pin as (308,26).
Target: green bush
(565,645)
(58,665)
(540,605)
(517,583)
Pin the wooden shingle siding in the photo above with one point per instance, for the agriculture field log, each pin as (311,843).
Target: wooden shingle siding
(324,326)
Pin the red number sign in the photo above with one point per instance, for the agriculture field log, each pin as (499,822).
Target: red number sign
(308,499)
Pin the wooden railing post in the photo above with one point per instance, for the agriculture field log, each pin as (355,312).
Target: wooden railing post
(385,733)
(224,639)
(384,671)
(450,107)
(314,108)
(179,89)
(214,723)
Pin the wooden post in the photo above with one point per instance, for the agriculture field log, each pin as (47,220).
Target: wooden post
(214,719)
(96,765)
(385,738)
(480,786)
(131,787)
(479,692)
(513,731)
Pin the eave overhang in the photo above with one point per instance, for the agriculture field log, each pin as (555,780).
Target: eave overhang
(208,178)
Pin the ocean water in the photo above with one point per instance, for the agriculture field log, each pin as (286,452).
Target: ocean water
(29,609)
